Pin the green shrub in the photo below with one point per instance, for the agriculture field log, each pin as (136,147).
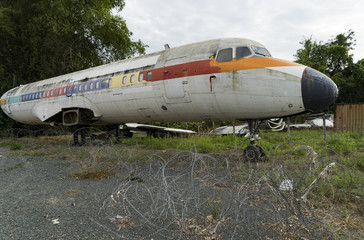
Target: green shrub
(15,146)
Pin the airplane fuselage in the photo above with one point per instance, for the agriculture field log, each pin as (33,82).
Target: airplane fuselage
(223,79)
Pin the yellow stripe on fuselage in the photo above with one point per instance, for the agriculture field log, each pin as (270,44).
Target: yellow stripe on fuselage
(2,101)
(117,81)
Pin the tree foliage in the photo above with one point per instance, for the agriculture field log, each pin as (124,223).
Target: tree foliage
(45,38)
(335,60)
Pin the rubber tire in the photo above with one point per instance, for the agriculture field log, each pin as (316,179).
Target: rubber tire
(253,153)
(261,151)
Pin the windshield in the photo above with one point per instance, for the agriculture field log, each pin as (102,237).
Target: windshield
(261,51)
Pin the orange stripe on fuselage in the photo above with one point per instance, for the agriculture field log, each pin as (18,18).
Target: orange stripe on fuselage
(212,66)
(251,63)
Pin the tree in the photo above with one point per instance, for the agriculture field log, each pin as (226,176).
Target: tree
(44,38)
(312,54)
(334,59)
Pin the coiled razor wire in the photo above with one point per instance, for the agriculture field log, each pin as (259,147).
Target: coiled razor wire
(190,195)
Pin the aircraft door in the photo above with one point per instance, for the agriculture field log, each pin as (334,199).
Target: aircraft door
(176,81)
(175,91)
(70,86)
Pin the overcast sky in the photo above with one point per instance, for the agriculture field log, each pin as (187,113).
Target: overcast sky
(279,25)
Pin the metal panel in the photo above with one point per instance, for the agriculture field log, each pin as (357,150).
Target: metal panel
(349,117)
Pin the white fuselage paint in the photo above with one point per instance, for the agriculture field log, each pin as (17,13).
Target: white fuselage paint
(258,93)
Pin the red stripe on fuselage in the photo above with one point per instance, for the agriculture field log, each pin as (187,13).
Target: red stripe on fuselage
(182,70)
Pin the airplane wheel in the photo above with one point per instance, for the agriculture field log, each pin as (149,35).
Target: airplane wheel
(128,134)
(261,151)
(253,153)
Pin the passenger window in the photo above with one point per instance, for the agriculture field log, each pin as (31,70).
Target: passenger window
(149,76)
(97,84)
(132,77)
(60,91)
(225,55)
(124,80)
(140,78)
(80,87)
(91,86)
(104,84)
(242,52)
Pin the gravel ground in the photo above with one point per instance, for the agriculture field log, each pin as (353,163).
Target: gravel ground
(34,192)
(38,200)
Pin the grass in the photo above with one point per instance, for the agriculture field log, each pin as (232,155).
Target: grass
(19,165)
(13,145)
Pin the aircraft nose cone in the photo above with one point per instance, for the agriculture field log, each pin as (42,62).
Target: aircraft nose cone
(318,90)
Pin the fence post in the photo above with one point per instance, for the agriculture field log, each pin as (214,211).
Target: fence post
(324,128)
(288,130)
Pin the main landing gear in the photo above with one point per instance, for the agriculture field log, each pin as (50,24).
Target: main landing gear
(79,135)
(253,153)
(83,136)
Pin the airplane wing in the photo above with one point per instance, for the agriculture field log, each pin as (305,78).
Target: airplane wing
(226,130)
(156,131)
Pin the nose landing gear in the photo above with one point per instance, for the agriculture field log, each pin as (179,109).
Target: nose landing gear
(253,153)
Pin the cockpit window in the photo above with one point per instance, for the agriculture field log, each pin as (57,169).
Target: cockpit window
(225,55)
(242,52)
(261,51)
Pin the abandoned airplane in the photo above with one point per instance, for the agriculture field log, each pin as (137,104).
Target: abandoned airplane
(219,80)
